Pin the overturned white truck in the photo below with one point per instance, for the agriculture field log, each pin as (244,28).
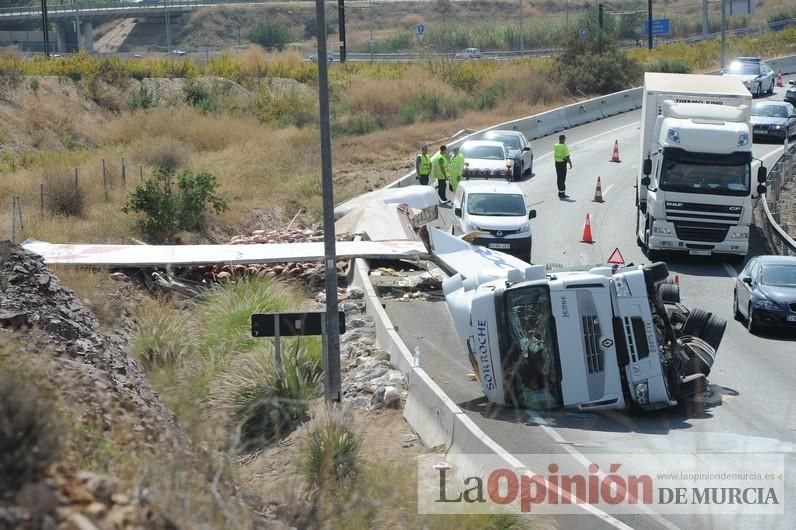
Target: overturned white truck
(603,338)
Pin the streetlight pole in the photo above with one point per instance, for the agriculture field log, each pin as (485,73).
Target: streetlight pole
(522,44)
(723,33)
(44,25)
(649,23)
(331,339)
(370,27)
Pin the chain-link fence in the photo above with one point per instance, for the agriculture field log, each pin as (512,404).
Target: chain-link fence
(780,203)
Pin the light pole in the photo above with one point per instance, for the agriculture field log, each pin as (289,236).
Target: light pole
(370,27)
(44,25)
(331,339)
(522,44)
(723,33)
(649,23)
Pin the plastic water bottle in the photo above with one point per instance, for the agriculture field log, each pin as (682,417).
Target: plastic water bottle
(416,356)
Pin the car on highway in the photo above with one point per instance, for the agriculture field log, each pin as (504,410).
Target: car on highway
(756,75)
(765,293)
(486,159)
(773,120)
(790,94)
(498,214)
(469,53)
(314,57)
(518,148)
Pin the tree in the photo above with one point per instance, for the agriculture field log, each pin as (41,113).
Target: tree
(270,35)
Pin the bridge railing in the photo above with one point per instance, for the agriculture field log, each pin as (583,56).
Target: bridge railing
(60,6)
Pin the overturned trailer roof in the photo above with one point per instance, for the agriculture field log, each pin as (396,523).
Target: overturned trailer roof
(202,255)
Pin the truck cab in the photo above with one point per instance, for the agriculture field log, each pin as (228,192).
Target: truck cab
(695,187)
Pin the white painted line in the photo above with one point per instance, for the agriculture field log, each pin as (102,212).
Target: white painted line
(605,193)
(730,269)
(589,139)
(577,455)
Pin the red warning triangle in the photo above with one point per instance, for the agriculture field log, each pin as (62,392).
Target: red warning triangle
(616,257)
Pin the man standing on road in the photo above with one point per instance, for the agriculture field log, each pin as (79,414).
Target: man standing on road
(561,157)
(440,172)
(455,169)
(423,165)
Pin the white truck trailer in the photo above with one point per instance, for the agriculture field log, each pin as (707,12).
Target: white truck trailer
(694,191)
(602,338)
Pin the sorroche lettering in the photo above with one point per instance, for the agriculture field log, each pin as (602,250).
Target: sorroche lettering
(564,308)
(482,340)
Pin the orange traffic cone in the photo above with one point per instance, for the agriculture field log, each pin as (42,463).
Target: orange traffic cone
(779,78)
(615,157)
(587,231)
(676,279)
(598,192)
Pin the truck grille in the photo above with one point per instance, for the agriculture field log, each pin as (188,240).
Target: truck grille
(591,339)
(689,231)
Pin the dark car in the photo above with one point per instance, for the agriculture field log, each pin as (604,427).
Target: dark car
(790,94)
(773,120)
(765,293)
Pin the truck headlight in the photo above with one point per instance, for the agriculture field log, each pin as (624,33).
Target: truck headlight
(622,289)
(739,235)
(662,230)
(765,303)
(526,228)
(642,393)
(673,135)
(743,139)
(471,227)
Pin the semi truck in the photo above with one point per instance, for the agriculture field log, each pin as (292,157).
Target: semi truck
(600,338)
(694,190)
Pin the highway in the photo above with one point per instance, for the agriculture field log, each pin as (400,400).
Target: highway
(749,406)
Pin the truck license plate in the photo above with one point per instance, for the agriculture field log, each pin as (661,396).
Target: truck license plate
(791,318)
(499,246)
(699,252)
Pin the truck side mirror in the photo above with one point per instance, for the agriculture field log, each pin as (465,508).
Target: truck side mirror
(532,214)
(747,280)
(647,167)
(457,212)
(645,181)
(761,175)
(761,189)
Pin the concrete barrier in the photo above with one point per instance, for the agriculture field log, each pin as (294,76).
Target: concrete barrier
(620,102)
(585,112)
(429,411)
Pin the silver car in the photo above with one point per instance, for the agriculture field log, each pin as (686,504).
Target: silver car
(518,148)
(756,75)
(469,53)
(485,159)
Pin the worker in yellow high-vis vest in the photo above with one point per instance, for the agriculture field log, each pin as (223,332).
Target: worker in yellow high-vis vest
(561,157)
(423,165)
(455,169)
(440,172)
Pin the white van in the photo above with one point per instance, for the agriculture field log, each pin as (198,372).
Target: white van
(498,210)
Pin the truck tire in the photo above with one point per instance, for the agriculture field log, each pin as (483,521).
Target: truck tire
(713,331)
(695,322)
(670,293)
(657,272)
(703,361)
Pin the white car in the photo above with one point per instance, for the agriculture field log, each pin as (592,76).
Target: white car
(486,159)
(518,148)
(469,53)
(755,75)
(498,210)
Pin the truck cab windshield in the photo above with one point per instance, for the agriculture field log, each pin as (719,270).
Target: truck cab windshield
(530,353)
(705,175)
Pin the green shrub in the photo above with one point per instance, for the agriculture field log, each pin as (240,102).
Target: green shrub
(429,106)
(63,195)
(270,35)
(143,98)
(282,108)
(331,451)
(356,125)
(163,336)
(166,211)
(198,95)
(311,28)
(29,433)
(490,96)
(671,66)
(585,69)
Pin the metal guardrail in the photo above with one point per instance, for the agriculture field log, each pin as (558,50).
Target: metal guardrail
(781,175)
(101,6)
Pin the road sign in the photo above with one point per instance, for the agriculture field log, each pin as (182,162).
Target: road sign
(660,26)
(421,36)
(584,33)
(740,7)
(421,29)
(616,257)
(290,324)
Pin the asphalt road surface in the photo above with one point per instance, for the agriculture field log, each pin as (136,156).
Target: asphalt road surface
(750,406)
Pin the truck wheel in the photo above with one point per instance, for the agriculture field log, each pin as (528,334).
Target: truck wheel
(713,331)
(703,361)
(670,293)
(657,272)
(695,322)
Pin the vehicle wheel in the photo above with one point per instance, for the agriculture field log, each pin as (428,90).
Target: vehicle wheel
(530,168)
(759,90)
(713,331)
(751,322)
(736,311)
(657,272)
(696,320)
(771,89)
(670,293)
(703,360)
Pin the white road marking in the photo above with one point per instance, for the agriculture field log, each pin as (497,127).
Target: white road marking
(590,138)
(605,193)
(577,455)
(730,269)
